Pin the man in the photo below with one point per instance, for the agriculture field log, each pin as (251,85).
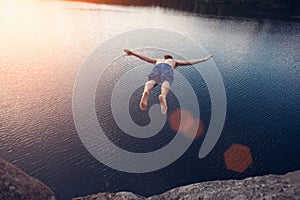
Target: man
(163,74)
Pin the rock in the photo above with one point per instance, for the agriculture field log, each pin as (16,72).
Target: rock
(115,196)
(17,185)
(261,187)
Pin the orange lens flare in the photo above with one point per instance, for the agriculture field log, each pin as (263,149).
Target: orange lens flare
(238,158)
(188,126)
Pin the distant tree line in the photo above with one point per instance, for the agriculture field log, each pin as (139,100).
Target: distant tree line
(247,8)
(176,4)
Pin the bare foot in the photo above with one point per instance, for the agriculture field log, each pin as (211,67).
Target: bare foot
(144,100)
(163,104)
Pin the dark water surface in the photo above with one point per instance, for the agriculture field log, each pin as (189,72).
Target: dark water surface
(43,45)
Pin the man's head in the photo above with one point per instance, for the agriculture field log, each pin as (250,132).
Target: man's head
(168,57)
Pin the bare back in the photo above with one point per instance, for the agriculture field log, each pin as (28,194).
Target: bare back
(169,61)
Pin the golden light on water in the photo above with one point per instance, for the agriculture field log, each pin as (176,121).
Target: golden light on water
(12,9)
(19,15)
(22,15)
(30,26)
(34,50)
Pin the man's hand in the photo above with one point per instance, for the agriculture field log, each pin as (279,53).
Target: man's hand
(128,52)
(208,57)
(149,60)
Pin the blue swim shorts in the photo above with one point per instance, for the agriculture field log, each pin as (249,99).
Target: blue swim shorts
(162,72)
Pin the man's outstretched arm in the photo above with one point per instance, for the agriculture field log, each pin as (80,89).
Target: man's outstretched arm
(147,59)
(191,62)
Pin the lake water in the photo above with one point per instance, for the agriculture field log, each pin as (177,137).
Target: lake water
(43,45)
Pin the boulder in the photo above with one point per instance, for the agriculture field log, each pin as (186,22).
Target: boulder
(17,185)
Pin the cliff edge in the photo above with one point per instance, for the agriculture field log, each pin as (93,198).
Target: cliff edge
(261,187)
(17,185)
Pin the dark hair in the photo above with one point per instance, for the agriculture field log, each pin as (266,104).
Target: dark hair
(168,56)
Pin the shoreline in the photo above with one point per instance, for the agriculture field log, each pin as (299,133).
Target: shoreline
(222,9)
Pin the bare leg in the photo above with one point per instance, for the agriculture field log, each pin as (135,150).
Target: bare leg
(165,87)
(144,100)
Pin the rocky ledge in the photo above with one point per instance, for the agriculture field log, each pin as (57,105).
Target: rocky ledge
(17,185)
(261,187)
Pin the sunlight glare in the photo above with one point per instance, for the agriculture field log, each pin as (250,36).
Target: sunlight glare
(11,10)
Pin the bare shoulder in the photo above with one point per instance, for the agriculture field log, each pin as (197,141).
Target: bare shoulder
(172,62)
(178,62)
(160,60)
